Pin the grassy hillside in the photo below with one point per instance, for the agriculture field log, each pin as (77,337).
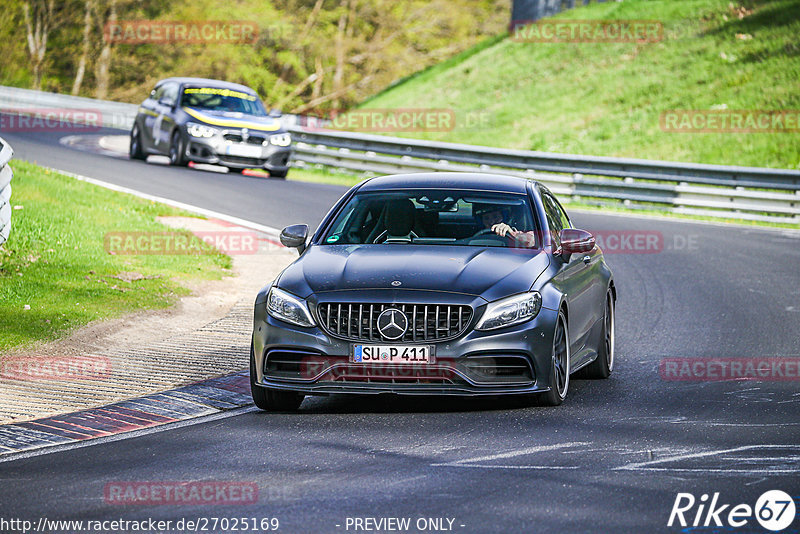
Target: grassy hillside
(607,98)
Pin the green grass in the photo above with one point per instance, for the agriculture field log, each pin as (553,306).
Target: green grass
(607,98)
(55,260)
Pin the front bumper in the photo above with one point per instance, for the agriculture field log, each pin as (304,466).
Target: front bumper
(217,151)
(513,360)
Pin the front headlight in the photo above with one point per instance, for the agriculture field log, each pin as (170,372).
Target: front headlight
(281,139)
(200,130)
(287,307)
(510,311)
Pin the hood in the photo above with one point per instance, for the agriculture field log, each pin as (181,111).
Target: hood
(233,119)
(488,272)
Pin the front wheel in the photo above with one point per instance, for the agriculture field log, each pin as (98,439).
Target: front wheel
(278,174)
(271,400)
(559,367)
(135,151)
(176,156)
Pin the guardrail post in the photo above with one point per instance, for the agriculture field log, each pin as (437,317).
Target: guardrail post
(6,173)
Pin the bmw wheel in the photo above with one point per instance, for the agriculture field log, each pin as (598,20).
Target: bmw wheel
(135,151)
(176,149)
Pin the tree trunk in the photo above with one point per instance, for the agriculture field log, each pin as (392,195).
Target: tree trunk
(338,73)
(37,28)
(87,23)
(104,61)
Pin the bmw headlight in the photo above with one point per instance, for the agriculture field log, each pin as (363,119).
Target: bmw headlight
(510,311)
(281,139)
(287,307)
(200,130)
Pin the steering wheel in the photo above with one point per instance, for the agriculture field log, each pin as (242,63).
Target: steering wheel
(489,232)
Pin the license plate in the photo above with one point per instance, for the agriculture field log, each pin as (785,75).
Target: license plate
(245,151)
(411,354)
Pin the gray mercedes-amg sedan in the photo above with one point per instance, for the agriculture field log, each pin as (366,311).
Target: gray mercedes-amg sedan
(435,284)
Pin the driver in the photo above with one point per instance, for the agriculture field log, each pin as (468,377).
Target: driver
(494,218)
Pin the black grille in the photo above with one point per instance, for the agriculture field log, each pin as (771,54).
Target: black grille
(426,322)
(241,160)
(238,138)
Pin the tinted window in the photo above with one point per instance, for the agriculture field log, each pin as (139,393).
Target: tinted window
(554,221)
(433,217)
(221,99)
(170,95)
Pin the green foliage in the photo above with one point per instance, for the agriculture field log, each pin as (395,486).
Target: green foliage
(378,42)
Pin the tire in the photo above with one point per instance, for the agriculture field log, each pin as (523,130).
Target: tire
(135,151)
(603,365)
(278,174)
(271,400)
(559,368)
(176,149)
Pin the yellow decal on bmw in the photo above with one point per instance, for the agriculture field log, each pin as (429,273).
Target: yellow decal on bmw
(232,123)
(219,91)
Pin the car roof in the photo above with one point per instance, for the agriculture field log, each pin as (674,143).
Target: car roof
(474,181)
(208,82)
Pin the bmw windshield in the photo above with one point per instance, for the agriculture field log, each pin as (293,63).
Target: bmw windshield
(435,217)
(224,100)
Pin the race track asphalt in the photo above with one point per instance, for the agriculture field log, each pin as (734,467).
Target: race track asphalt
(611,459)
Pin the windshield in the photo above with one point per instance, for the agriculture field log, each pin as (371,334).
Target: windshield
(435,217)
(220,99)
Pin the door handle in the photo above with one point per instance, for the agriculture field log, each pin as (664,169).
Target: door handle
(587,259)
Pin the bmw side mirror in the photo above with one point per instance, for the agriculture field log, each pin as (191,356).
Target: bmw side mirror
(295,236)
(575,241)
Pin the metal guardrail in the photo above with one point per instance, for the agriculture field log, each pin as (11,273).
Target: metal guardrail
(5,189)
(746,193)
(751,193)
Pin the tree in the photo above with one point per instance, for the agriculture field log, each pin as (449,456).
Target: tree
(39,21)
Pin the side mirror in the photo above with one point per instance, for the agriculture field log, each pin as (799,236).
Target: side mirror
(295,236)
(574,241)
(275,113)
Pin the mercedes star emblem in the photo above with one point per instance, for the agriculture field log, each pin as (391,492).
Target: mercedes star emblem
(392,323)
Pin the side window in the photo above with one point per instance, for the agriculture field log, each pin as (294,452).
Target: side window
(553,217)
(170,95)
(157,92)
(565,222)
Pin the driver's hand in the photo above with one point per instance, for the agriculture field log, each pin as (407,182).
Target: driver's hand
(502,229)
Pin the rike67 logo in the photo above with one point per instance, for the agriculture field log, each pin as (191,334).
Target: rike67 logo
(774,510)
